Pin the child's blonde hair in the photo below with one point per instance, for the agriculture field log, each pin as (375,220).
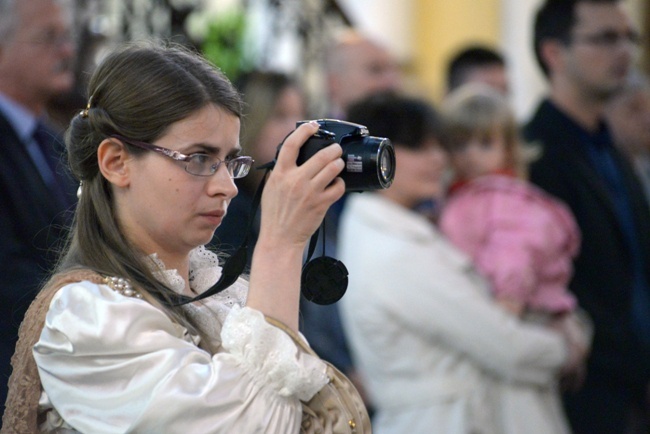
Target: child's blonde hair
(477,109)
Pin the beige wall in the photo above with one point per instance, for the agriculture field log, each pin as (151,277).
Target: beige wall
(443,26)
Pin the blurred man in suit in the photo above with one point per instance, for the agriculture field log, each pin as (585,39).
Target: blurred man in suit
(586,49)
(36,54)
(356,66)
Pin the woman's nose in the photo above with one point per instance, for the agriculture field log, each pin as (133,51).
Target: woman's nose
(222,183)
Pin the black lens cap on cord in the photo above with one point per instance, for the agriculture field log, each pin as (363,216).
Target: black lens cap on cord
(324,280)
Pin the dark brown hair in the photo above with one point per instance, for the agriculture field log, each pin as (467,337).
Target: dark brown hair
(138,91)
(405,120)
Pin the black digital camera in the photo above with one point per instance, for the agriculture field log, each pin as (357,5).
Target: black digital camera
(369,161)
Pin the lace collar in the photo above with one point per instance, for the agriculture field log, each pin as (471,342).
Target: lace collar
(204,271)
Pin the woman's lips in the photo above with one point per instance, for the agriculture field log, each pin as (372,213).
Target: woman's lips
(214,217)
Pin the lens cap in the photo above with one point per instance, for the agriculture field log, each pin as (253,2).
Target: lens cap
(324,280)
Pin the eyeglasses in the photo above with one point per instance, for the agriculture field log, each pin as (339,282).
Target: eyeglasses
(198,164)
(609,38)
(51,38)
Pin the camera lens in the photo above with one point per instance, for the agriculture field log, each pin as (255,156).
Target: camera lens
(369,161)
(386,165)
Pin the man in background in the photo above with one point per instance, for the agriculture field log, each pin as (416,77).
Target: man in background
(586,49)
(628,117)
(356,66)
(478,64)
(36,194)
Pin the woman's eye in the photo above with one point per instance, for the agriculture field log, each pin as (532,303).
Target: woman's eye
(200,158)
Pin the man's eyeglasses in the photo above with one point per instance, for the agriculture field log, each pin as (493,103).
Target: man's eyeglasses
(609,38)
(198,164)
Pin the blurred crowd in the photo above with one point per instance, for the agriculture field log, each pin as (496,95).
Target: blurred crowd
(500,285)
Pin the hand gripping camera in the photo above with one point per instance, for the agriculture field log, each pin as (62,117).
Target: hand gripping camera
(369,161)
(369,165)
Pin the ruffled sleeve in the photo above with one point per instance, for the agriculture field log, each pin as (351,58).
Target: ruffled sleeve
(271,356)
(110,363)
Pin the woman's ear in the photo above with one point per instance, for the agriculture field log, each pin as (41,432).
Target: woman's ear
(113,159)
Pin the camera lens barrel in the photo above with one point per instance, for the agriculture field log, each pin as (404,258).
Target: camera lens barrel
(369,164)
(369,161)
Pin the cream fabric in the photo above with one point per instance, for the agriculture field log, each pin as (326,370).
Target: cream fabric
(424,331)
(115,364)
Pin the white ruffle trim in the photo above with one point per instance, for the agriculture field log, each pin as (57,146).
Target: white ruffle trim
(204,271)
(271,356)
(263,350)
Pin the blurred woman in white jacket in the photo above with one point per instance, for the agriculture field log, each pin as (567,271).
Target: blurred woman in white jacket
(427,336)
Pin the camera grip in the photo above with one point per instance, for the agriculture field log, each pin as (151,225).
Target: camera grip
(311,147)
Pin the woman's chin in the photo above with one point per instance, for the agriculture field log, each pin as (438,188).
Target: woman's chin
(203,239)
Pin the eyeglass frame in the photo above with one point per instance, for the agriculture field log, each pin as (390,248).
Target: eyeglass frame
(609,38)
(178,156)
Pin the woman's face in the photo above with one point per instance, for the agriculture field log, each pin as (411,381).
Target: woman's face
(419,174)
(166,210)
(288,110)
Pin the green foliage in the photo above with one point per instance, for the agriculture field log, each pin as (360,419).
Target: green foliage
(224,43)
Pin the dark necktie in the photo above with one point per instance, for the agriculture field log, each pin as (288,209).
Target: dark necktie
(50,166)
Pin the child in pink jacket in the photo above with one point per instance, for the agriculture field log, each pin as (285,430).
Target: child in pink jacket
(522,239)
(519,237)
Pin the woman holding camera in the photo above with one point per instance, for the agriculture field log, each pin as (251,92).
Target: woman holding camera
(424,331)
(157,149)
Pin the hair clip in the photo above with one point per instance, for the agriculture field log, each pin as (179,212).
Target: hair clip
(84,112)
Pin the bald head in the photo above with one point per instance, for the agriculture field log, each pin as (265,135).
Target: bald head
(357,67)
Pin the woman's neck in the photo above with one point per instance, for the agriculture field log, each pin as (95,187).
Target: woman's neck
(180,263)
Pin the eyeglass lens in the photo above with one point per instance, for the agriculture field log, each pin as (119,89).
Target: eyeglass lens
(200,165)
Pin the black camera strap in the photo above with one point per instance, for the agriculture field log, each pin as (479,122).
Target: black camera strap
(324,279)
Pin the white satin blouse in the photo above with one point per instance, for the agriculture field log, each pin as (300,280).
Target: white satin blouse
(116,364)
